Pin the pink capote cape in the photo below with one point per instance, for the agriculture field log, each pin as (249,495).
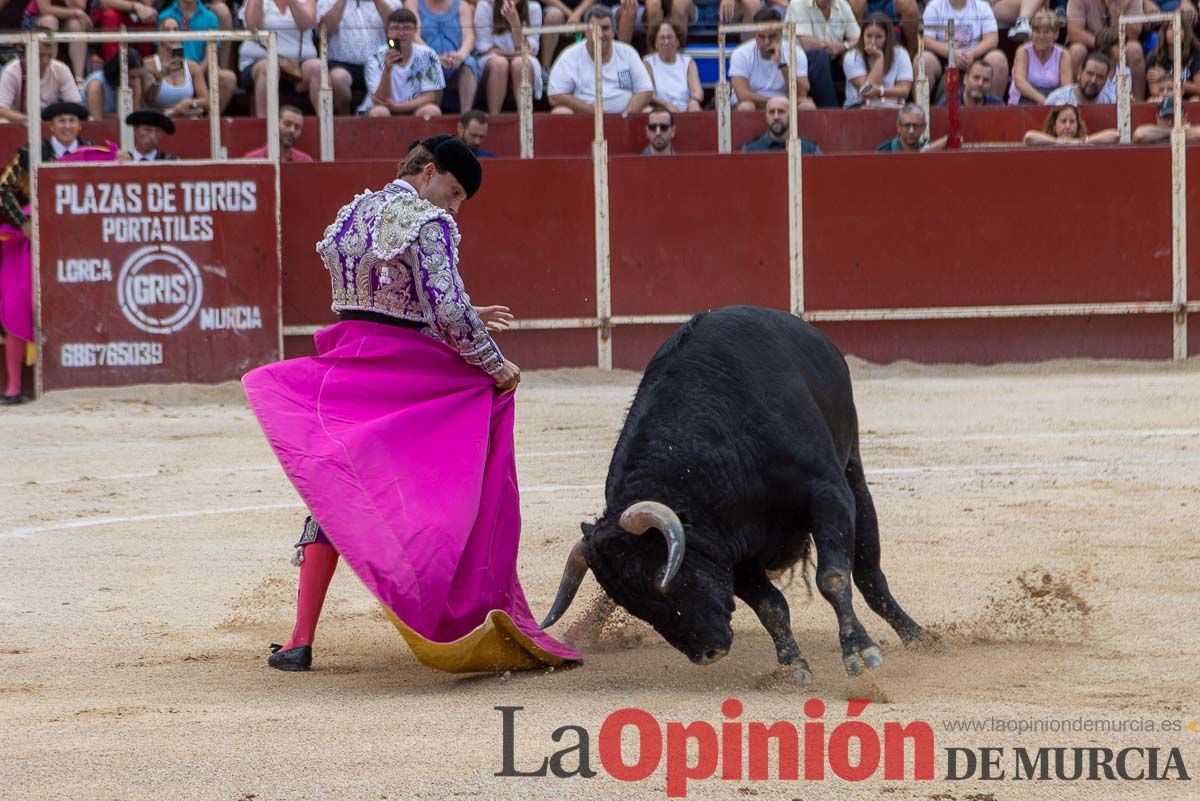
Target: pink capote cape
(16,258)
(16,282)
(404,454)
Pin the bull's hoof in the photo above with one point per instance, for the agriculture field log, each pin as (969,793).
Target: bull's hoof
(926,640)
(868,656)
(801,675)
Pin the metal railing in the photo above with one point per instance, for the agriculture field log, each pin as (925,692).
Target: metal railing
(1178,166)
(125,94)
(525,95)
(922,88)
(794,153)
(723,99)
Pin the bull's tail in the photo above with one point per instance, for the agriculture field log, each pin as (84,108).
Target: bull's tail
(807,566)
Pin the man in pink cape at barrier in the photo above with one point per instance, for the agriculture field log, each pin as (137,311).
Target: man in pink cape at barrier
(398,434)
(16,262)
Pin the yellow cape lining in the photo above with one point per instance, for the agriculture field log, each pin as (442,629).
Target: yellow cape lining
(495,645)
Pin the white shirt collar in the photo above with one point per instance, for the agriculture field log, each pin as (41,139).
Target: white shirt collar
(403,186)
(60,149)
(139,156)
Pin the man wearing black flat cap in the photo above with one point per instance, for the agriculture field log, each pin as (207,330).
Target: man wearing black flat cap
(64,119)
(148,127)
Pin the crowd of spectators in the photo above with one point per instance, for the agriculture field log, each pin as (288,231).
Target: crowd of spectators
(428,57)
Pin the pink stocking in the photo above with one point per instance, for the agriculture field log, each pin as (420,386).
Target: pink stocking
(14,355)
(316,571)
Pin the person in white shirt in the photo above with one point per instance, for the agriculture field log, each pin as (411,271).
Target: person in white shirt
(675,76)
(976,36)
(758,69)
(498,31)
(403,77)
(292,21)
(626,85)
(878,71)
(826,29)
(356,30)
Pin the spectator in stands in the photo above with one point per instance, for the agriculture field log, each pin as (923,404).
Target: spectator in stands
(976,87)
(355,30)
(58,84)
(70,16)
(171,82)
(403,77)
(548,45)
(878,71)
(674,75)
(827,29)
(1086,18)
(628,14)
(1159,131)
(910,132)
(100,88)
(1160,65)
(1040,66)
(660,132)
(1017,16)
(291,124)
(16,266)
(905,13)
(113,15)
(498,29)
(473,129)
(1064,126)
(757,69)
(194,16)
(976,37)
(148,127)
(1109,44)
(1092,87)
(679,14)
(626,85)
(743,11)
(448,26)
(777,132)
(292,21)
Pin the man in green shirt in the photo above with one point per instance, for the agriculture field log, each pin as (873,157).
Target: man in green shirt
(777,132)
(910,132)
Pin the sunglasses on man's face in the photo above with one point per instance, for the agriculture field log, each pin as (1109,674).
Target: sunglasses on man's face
(658,127)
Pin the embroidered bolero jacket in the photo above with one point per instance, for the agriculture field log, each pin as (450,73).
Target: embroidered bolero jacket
(393,253)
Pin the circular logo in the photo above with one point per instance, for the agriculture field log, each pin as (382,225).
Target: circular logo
(159,289)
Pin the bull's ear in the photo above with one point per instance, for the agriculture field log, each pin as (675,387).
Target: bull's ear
(587,529)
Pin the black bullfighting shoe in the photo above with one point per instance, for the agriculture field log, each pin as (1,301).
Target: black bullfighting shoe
(298,658)
(12,400)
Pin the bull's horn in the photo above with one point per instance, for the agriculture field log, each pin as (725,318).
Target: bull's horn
(572,577)
(645,515)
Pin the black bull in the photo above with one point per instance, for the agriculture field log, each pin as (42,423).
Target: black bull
(741,445)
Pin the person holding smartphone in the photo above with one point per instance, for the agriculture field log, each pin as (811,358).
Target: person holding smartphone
(403,76)
(172,83)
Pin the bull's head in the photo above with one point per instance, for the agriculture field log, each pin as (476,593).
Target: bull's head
(640,562)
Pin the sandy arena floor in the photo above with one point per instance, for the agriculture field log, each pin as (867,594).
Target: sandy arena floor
(1045,519)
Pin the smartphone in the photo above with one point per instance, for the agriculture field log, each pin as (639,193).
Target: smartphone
(177,51)
(394,44)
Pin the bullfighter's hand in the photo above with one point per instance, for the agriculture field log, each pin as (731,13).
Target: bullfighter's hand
(508,377)
(496,318)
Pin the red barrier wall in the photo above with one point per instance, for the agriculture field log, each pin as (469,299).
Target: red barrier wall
(699,231)
(835,130)
(517,251)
